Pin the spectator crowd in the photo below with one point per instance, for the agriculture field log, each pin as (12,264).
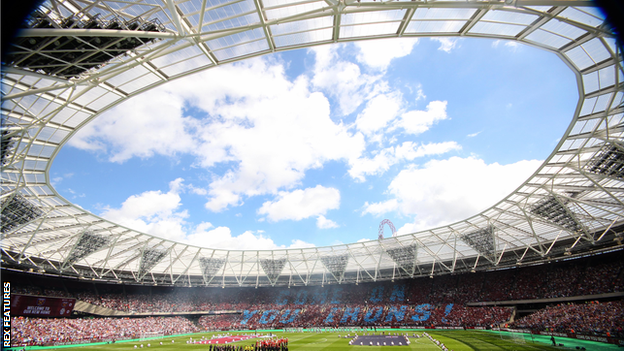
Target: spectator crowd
(421,302)
(593,318)
(53,331)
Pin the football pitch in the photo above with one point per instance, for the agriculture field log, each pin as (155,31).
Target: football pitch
(456,340)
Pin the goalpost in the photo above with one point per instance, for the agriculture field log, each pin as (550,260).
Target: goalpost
(152,335)
(516,336)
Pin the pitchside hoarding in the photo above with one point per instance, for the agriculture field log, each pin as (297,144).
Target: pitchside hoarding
(37,306)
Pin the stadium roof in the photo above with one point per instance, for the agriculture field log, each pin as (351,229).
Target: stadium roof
(79,58)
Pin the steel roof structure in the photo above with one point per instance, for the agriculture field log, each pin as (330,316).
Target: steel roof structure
(79,58)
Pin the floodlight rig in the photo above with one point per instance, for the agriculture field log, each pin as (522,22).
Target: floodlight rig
(88,243)
(150,258)
(609,161)
(210,266)
(555,210)
(273,268)
(17,211)
(336,265)
(483,241)
(8,142)
(404,257)
(68,56)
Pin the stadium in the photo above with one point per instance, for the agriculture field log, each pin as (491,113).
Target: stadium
(547,260)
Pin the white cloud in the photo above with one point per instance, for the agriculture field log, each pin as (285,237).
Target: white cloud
(513,46)
(196,190)
(300,244)
(378,54)
(300,204)
(161,214)
(58,179)
(73,193)
(146,125)
(222,238)
(363,166)
(152,212)
(390,156)
(418,121)
(340,79)
(380,208)
(379,111)
(324,223)
(222,193)
(420,94)
(446,44)
(268,132)
(408,151)
(273,134)
(473,134)
(449,190)
(286,136)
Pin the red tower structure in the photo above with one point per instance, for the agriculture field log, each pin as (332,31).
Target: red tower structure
(381,228)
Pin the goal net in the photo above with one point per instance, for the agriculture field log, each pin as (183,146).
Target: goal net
(152,335)
(515,336)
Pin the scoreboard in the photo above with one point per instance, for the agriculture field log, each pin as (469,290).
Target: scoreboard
(37,306)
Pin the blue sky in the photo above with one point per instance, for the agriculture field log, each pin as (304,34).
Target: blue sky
(316,147)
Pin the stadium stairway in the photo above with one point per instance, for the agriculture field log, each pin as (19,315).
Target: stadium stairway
(513,315)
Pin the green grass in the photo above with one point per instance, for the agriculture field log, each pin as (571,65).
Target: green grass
(457,340)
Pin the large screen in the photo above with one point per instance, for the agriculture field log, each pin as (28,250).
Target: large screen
(24,305)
